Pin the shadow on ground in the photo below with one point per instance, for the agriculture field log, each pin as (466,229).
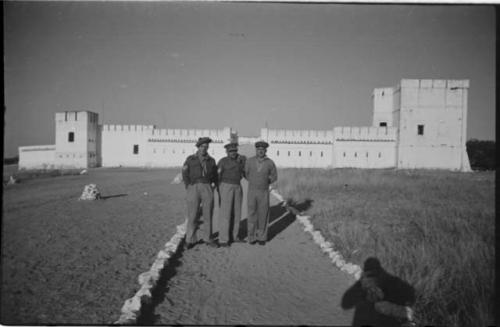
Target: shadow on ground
(147,314)
(112,196)
(279,217)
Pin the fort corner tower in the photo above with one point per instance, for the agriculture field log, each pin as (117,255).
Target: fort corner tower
(432,124)
(76,139)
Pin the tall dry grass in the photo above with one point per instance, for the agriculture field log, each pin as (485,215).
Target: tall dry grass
(435,229)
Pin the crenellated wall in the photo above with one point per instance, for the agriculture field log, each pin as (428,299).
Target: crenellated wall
(299,148)
(156,147)
(365,133)
(364,147)
(426,128)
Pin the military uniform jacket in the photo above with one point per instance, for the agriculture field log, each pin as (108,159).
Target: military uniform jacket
(194,171)
(231,171)
(260,173)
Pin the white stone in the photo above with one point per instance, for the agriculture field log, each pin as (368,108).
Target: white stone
(163,255)
(12,180)
(144,277)
(177,179)
(132,305)
(90,192)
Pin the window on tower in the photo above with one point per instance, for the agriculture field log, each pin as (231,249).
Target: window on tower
(136,148)
(71,137)
(383,124)
(420,129)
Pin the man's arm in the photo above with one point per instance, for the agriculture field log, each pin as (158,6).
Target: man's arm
(214,174)
(243,163)
(273,174)
(220,170)
(246,170)
(185,173)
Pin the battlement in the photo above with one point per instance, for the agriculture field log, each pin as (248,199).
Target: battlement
(127,128)
(434,83)
(76,116)
(365,133)
(383,91)
(223,134)
(297,136)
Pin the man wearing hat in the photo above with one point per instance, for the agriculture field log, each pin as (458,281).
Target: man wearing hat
(260,171)
(231,171)
(199,173)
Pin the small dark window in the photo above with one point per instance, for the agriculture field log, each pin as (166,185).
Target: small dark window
(310,154)
(288,153)
(356,154)
(71,137)
(344,154)
(420,129)
(383,124)
(136,148)
(367,154)
(379,154)
(277,153)
(300,154)
(321,153)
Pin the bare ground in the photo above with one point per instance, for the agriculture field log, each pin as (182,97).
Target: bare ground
(66,261)
(285,282)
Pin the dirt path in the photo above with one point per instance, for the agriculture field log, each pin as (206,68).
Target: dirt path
(287,281)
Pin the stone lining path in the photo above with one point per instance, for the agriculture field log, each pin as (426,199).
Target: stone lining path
(286,282)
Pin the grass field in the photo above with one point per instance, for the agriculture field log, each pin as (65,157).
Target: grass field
(434,229)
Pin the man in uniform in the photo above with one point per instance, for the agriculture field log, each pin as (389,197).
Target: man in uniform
(199,173)
(231,171)
(260,171)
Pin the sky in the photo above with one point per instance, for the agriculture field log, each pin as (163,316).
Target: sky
(241,65)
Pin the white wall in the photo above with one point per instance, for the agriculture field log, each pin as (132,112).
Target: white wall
(72,154)
(299,148)
(383,106)
(301,155)
(37,157)
(365,147)
(157,147)
(440,106)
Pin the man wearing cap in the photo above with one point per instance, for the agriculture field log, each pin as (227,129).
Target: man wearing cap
(260,171)
(199,173)
(231,171)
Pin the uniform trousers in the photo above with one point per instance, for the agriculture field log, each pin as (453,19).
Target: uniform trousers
(196,194)
(231,196)
(258,214)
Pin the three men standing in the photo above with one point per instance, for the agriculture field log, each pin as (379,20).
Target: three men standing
(260,171)
(199,174)
(231,171)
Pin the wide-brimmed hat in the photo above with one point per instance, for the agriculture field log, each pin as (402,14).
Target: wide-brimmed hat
(203,140)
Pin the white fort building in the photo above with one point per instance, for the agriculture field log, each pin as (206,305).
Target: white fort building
(416,124)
